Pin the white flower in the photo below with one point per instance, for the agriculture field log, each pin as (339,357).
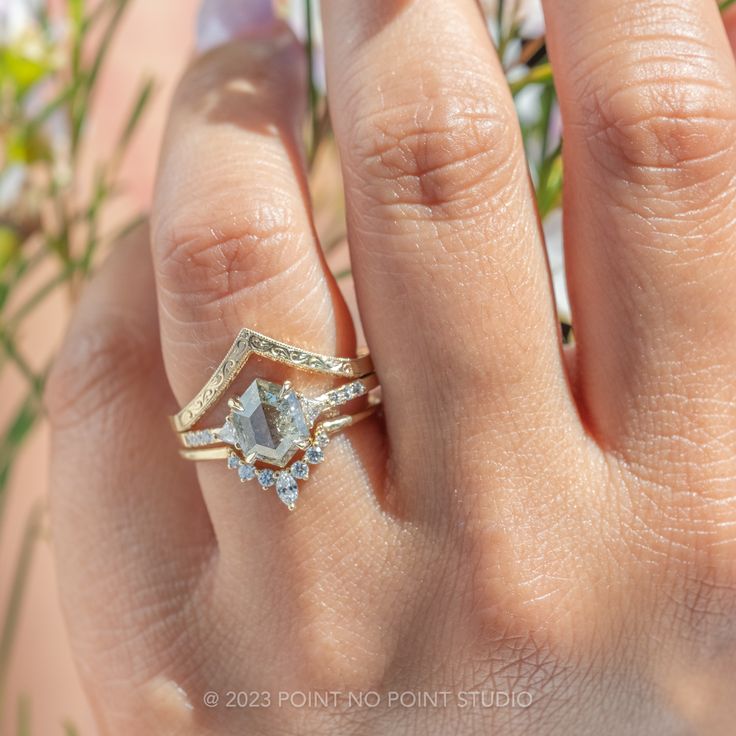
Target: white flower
(555,253)
(527,12)
(12,179)
(17,17)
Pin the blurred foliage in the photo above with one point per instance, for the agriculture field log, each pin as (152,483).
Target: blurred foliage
(51,213)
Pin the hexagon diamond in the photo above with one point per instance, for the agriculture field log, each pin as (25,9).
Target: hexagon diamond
(270,423)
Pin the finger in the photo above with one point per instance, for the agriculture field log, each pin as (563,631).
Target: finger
(648,96)
(233,240)
(729,18)
(447,253)
(130,530)
(234,246)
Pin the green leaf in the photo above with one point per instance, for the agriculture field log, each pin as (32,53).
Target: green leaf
(27,145)
(21,71)
(9,245)
(726,4)
(76,13)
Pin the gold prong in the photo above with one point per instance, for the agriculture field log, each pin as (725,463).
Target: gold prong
(250,457)
(234,403)
(285,388)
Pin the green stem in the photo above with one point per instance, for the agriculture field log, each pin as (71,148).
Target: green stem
(541,74)
(39,295)
(726,4)
(11,350)
(24,716)
(312,98)
(17,593)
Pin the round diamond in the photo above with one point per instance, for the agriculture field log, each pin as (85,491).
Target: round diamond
(266,477)
(314,455)
(287,489)
(233,462)
(246,472)
(356,389)
(300,470)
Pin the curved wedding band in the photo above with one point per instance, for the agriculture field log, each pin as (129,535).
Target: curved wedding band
(271,424)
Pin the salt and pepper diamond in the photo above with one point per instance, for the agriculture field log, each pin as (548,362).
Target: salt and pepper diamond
(267,423)
(271,423)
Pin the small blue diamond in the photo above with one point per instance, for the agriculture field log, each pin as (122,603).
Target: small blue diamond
(300,470)
(266,477)
(314,455)
(246,472)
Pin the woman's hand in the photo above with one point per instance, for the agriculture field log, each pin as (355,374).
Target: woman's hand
(559,528)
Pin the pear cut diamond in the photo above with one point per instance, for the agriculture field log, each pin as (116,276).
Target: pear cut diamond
(287,489)
(270,423)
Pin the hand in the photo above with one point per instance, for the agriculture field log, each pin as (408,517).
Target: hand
(523,520)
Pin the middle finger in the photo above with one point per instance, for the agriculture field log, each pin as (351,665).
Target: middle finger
(447,251)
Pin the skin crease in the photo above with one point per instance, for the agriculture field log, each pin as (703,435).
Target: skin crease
(509,524)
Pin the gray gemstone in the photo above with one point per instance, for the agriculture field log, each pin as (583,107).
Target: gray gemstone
(233,462)
(287,489)
(270,425)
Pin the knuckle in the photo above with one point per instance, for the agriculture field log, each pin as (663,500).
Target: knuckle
(200,264)
(651,128)
(95,369)
(445,151)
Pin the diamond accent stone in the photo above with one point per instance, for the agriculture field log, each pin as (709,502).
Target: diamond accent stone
(198,438)
(314,455)
(322,438)
(266,477)
(312,409)
(246,472)
(271,423)
(300,470)
(226,433)
(233,462)
(287,489)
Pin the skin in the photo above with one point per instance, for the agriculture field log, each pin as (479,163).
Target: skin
(520,519)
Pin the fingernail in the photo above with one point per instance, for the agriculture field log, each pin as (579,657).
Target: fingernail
(220,21)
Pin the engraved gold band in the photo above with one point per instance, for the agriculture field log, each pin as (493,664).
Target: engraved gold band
(247,343)
(274,433)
